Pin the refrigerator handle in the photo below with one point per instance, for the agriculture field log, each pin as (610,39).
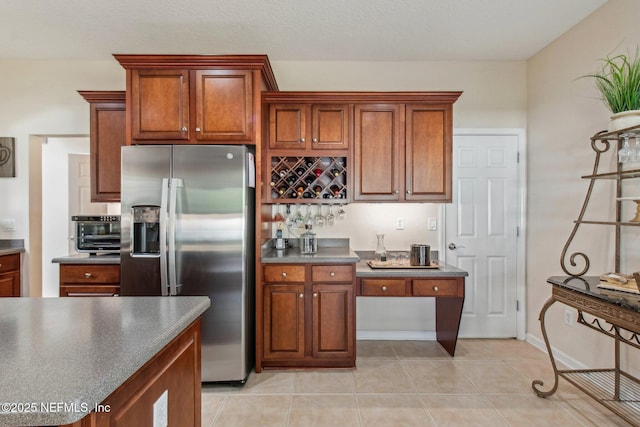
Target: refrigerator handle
(173,200)
(164,285)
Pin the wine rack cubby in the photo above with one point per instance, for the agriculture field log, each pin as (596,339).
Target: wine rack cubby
(308,179)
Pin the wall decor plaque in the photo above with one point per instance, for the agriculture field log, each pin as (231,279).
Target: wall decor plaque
(7,157)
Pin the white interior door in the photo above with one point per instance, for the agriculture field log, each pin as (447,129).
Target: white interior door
(80,193)
(481,232)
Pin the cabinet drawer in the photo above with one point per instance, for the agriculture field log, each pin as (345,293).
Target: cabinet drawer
(435,287)
(383,287)
(89,274)
(332,273)
(283,273)
(9,263)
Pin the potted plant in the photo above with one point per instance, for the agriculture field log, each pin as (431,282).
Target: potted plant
(618,81)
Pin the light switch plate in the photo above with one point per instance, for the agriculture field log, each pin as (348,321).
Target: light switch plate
(9,224)
(432,224)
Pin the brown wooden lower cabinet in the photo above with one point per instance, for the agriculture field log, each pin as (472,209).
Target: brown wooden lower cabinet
(308,315)
(10,275)
(82,280)
(176,369)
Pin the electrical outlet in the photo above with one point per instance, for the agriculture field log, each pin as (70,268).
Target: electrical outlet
(432,224)
(8,224)
(399,223)
(568,317)
(160,409)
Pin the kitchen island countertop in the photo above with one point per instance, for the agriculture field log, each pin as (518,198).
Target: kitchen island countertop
(69,354)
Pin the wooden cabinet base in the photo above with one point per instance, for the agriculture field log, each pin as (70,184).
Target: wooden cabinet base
(176,369)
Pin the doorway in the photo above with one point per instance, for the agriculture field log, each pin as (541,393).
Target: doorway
(484,230)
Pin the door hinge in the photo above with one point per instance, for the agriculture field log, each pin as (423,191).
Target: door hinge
(518,157)
(518,231)
(517,305)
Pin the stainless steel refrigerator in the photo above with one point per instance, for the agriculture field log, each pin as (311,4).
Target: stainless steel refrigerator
(187,228)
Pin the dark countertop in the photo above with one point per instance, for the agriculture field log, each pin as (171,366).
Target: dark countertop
(79,350)
(11,246)
(88,259)
(588,285)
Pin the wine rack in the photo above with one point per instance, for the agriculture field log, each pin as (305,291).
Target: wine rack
(308,179)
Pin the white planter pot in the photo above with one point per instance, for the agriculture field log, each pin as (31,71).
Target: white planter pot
(624,119)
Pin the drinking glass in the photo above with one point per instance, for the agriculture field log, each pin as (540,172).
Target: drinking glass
(625,153)
(342,214)
(279,216)
(403,258)
(636,148)
(331,217)
(319,218)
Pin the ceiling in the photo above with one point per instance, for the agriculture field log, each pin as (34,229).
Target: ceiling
(358,30)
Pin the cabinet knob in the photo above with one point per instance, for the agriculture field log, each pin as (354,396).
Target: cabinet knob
(301,296)
(284,274)
(332,274)
(315,295)
(384,289)
(87,275)
(435,288)
(301,139)
(0,265)
(197,129)
(315,140)
(408,191)
(184,129)
(396,191)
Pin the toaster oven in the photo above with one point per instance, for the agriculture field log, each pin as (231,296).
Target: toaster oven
(97,234)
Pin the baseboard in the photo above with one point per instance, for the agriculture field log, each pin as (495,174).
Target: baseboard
(560,357)
(396,335)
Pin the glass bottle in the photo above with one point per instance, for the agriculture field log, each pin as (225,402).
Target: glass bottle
(381,252)
(308,241)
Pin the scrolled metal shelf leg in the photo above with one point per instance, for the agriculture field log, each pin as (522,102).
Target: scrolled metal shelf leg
(536,383)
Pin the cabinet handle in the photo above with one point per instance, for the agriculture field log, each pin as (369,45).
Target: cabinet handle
(0,265)
(197,129)
(301,295)
(332,274)
(284,274)
(435,288)
(384,289)
(87,275)
(183,129)
(315,295)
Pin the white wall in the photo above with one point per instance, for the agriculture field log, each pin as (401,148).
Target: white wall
(562,116)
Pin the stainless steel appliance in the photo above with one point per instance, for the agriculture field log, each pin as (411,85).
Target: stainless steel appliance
(97,233)
(188,229)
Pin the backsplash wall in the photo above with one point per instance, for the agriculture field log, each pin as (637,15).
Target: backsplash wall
(364,220)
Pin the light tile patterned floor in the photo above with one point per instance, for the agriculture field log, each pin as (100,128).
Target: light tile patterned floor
(409,383)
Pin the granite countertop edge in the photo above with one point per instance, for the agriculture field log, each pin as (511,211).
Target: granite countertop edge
(87,259)
(98,391)
(11,246)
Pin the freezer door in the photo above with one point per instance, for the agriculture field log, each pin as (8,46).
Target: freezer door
(214,253)
(143,215)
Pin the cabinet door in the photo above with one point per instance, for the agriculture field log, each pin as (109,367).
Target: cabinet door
(378,152)
(283,323)
(333,321)
(99,290)
(159,105)
(224,105)
(10,284)
(330,127)
(428,153)
(107,138)
(288,126)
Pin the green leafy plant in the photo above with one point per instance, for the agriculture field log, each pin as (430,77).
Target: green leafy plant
(618,80)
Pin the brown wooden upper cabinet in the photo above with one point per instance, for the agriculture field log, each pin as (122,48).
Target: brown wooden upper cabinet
(403,151)
(107,135)
(309,126)
(195,99)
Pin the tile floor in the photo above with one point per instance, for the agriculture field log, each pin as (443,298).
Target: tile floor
(409,383)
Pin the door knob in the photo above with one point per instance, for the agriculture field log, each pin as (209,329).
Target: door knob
(452,246)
